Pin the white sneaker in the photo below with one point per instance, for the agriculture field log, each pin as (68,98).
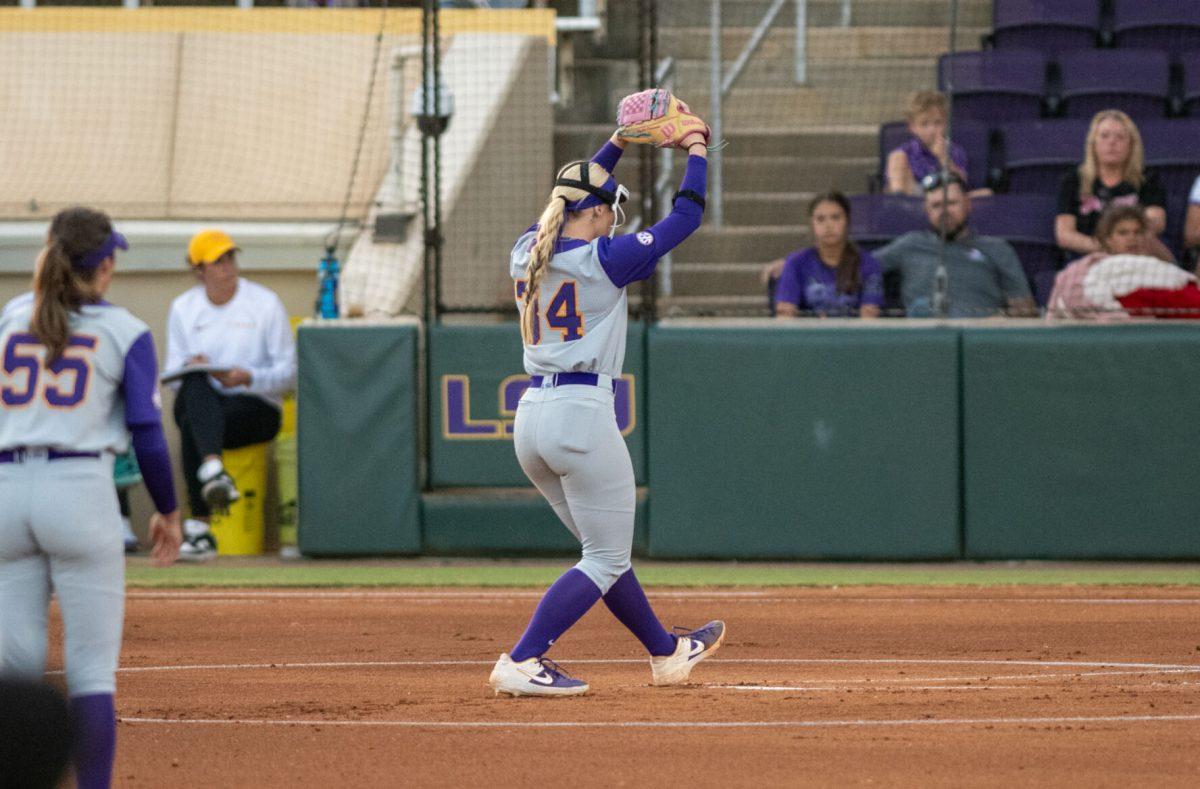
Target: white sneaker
(533,677)
(217,488)
(692,647)
(198,543)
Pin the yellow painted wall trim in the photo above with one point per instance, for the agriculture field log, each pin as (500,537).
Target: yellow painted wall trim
(400,21)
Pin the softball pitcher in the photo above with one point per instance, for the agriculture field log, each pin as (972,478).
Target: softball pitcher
(570,274)
(79,375)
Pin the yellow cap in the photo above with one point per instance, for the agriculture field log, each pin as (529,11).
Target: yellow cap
(207,246)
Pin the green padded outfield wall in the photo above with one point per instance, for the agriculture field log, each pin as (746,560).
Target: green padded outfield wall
(476,378)
(791,441)
(1082,442)
(357,438)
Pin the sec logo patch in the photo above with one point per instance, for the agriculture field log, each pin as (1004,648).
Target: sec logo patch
(645,239)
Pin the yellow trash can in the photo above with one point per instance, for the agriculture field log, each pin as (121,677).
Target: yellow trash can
(240,532)
(285,474)
(285,469)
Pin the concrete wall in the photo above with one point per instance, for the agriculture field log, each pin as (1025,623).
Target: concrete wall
(191,124)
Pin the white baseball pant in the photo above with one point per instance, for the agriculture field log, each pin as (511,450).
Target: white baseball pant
(569,446)
(60,530)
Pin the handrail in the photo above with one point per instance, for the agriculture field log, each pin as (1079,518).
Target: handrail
(722,82)
(664,77)
(756,39)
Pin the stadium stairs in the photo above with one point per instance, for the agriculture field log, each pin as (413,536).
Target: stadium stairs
(786,142)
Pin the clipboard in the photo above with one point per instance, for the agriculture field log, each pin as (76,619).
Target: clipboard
(167,376)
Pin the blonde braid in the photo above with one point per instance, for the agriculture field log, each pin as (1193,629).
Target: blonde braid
(549,226)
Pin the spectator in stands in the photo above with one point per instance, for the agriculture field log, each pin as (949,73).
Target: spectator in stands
(238,331)
(1121,276)
(1111,174)
(929,150)
(984,276)
(833,278)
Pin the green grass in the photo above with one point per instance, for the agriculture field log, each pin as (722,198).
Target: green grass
(426,572)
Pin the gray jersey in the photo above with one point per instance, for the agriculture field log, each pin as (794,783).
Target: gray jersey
(581,318)
(78,402)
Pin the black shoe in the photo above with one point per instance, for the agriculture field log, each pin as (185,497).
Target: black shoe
(219,492)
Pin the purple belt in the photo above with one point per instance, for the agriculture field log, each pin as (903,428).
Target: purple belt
(567,379)
(18,454)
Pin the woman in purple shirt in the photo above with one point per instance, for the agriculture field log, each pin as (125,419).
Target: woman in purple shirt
(835,277)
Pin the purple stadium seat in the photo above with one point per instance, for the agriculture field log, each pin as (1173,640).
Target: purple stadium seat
(1037,154)
(1027,222)
(1177,206)
(1191,81)
(1048,26)
(973,136)
(1172,26)
(994,86)
(1043,286)
(891,134)
(1134,80)
(877,219)
(1173,151)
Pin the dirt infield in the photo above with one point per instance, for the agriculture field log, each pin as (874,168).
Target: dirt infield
(881,686)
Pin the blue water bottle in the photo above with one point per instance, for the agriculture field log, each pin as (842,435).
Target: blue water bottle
(327,276)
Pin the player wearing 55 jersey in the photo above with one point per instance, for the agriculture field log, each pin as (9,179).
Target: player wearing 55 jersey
(78,377)
(570,274)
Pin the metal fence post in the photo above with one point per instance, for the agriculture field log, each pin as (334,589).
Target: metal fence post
(801,42)
(716,194)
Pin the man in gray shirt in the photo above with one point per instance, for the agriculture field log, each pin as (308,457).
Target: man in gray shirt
(984,276)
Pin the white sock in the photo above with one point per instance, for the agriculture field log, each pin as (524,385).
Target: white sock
(129,535)
(209,469)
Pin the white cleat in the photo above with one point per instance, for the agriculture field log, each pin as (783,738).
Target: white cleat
(533,677)
(691,648)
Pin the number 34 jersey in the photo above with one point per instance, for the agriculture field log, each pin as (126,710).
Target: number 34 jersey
(579,316)
(79,402)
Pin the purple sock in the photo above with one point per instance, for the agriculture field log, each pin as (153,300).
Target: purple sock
(95,740)
(564,603)
(629,605)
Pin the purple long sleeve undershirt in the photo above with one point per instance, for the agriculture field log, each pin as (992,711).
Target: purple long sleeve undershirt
(633,257)
(143,418)
(608,156)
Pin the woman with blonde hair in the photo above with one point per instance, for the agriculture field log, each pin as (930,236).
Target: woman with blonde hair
(1111,174)
(570,272)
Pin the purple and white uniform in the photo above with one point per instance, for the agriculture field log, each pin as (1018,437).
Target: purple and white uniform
(60,528)
(566,436)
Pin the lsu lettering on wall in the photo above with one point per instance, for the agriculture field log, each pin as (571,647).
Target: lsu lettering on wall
(459,422)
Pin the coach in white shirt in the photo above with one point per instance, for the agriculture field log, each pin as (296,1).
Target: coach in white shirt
(241,329)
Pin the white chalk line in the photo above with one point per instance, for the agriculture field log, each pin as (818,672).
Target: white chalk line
(808,724)
(892,682)
(207,595)
(877,688)
(1115,665)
